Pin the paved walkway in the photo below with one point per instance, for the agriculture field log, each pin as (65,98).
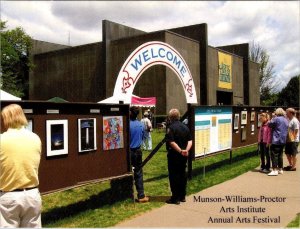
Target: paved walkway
(278,197)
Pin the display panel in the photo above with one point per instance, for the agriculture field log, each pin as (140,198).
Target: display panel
(213,129)
(113,137)
(87,135)
(57,137)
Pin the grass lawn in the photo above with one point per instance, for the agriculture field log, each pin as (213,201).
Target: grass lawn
(88,206)
(296,222)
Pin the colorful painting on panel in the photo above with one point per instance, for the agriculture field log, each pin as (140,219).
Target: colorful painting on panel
(113,132)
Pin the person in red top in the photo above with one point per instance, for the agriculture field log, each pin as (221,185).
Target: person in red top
(264,141)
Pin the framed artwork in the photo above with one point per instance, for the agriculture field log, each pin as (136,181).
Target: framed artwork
(87,134)
(30,125)
(252,116)
(258,120)
(236,121)
(243,117)
(57,137)
(113,137)
(244,134)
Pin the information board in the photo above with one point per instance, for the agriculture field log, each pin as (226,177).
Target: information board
(213,129)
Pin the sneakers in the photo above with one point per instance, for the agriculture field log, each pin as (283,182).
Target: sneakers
(273,173)
(143,200)
(261,170)
(287,168)
(266,171)
(280,171)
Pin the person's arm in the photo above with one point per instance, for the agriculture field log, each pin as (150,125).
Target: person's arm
(269,136)
(272,123)
(296,132)
(189,145)
(149,125)
(175,147)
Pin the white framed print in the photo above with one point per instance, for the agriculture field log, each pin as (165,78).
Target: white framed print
(258,120)
(243,117)
(87,134)
(236,121)
(57,137)
(252,117)
(29,125)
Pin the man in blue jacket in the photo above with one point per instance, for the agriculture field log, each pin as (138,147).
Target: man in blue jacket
(136,139)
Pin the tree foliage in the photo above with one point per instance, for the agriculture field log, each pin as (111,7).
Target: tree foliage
(289,95)
(15,60)
(266,72)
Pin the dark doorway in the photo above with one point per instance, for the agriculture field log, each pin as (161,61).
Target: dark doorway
(224,98)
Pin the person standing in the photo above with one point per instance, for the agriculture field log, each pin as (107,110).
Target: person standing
(291,148)
(179,143)
(147,141)
(279,126)
(150,115)
(264,140)
(20,154)
(136,139)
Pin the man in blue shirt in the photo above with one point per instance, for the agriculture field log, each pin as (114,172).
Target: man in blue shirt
(136,139)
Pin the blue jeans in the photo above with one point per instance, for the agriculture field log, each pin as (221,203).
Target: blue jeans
(136,162)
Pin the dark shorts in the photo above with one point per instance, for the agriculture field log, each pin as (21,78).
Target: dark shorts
(291,148)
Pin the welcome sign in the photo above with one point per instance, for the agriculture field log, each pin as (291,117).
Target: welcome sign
(145,56)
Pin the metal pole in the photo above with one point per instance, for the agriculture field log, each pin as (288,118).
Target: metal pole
(204,163)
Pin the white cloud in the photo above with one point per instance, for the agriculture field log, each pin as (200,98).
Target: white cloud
(275,25)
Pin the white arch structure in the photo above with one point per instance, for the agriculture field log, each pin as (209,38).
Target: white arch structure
(147,55)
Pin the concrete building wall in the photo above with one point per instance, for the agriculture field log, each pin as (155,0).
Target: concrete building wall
(254,93)
(43,46)
(88,73)
(213,78)
(237,81)
(72,74)
(198,32)
(153,80)
(189,50)
(112,31)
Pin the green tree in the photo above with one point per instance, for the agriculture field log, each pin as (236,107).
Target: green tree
(266,72)
(289,95)
(15,60)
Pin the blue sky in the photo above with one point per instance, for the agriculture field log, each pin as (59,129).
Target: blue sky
(275,25)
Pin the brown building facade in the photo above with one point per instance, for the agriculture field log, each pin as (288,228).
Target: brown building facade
(88,73)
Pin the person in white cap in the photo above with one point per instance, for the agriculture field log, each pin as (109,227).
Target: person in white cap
(147,142)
